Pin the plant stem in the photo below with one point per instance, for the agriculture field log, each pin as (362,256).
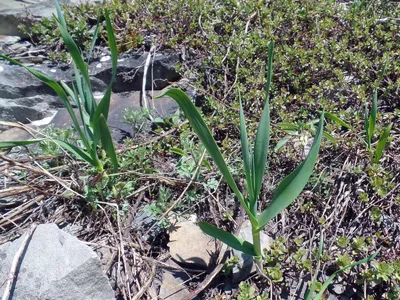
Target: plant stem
(257,250)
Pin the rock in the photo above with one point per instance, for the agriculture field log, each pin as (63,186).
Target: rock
(189,246)
(172,285)
(9,39)
(15,12)
(119,103)
(16,82)
(130,72)
(296,287)
(28,109)
(142,222)
(55,265)
(245,266)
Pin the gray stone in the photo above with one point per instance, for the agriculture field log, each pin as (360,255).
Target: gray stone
(16,82)
(55,265)
(189,246)
(245,266)
(130,72)
(28,109)
(144,222)
(172,285)
(14,13)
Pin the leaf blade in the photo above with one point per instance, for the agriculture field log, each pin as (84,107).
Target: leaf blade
(9,144)
(107,142)
(228,238)
(382,143)
(294,183)
(261,143)
(204,134)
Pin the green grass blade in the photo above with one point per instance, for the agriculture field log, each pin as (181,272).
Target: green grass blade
(382,143)
(329,137)
(78,152)
(246,154)
(71,46)
(94,39)
(320,249)
(337,120)
(228,238)
(104,105)
(9,144)
(366,126)
(372,117)
(261,143)
(294,183)
(57,89)
(107,142)
(282,143)
(204,134)
(332,277)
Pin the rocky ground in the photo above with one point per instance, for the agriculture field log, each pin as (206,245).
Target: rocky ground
(65,236)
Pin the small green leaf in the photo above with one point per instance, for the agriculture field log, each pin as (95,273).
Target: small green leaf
(228,238)
(382,143)
(282,142)
(9,144)
(178,151)
(329,137)
(337,120)
(294,183)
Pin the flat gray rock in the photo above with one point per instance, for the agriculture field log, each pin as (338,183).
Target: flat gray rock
(16,12)
(55,265)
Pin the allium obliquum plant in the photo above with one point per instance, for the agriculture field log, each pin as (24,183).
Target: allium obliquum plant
(254,163)
(92,116)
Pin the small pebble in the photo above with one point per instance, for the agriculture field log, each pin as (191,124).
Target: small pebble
(98,66)
(105,58)
(1,69)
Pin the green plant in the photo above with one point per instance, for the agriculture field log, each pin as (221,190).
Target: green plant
(254,167)
(92,116)
(347,265)
(247,292)
(370,124)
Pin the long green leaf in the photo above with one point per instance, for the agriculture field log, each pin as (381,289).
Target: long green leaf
(204,134)
(71,45)
(261,143)
(246,154)
(382,143)
(107,142)
(314,281)
(337,120)
(332,277)
(104,105)
(8,144)
(228,238)
(294,183)
(79,153)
